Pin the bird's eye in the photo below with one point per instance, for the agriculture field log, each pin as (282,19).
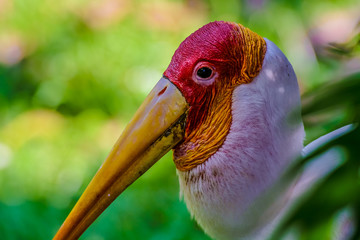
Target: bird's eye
(204,72)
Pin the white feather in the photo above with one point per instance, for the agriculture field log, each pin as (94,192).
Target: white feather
(239,192)
(265,136)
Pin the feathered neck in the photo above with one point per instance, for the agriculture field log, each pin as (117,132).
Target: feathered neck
(266,134)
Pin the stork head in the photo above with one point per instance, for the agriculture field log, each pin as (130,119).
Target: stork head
(206,68)
(189,111)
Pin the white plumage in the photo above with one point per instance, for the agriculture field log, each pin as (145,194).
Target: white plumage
(235,194)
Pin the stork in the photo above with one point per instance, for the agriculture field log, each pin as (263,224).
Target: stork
(229,107)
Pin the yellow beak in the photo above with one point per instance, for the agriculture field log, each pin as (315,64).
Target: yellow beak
(157,127)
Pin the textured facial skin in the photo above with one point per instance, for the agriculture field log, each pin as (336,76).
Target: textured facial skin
(209,44)
(235,54)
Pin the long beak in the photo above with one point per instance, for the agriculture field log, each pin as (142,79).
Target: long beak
(157,127)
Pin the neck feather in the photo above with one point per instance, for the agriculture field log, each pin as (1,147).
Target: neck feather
(265,135)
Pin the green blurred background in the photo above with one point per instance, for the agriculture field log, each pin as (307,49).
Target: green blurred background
(72,73)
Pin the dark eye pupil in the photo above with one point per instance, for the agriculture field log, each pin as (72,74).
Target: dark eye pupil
(204,72)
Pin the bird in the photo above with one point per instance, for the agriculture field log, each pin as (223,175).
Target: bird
(229,107)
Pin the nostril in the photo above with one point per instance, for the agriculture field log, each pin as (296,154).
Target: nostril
(162,91)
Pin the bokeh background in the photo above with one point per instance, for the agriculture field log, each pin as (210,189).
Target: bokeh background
(73,72)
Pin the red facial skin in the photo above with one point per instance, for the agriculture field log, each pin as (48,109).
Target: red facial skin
(235,55)
(213,45)
(208,44)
